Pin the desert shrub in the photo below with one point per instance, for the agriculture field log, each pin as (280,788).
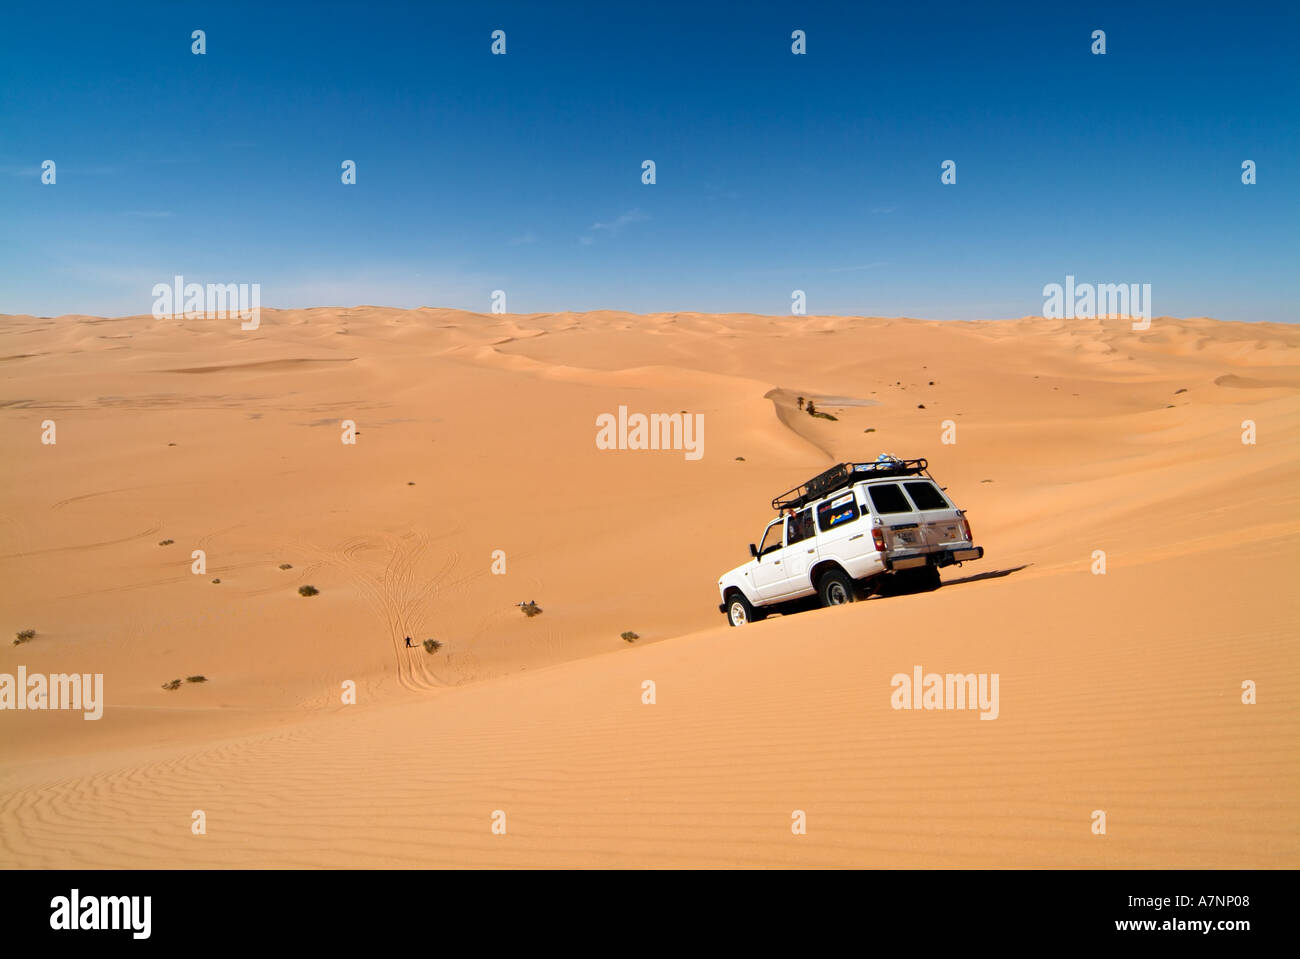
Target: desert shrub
(196,679)
(172,684)
(432,645)
(166,542)
(530,609)
(286,565)
(629,636)
(307,590)
(25,636)
(216,581)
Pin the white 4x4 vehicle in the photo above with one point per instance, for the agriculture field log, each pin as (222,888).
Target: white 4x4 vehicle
(854,529)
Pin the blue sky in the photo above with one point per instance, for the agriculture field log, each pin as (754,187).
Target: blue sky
(775,172)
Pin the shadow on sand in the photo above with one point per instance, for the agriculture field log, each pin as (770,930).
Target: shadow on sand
(991,574)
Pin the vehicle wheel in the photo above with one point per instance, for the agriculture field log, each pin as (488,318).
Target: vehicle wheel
(740,611)
(836,588)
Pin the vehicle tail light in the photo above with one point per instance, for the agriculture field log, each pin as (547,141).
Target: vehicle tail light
(965,525)
(878,538)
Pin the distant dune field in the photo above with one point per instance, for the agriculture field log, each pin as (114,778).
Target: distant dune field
(476,433)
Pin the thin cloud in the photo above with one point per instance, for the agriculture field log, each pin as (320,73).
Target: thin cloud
(853,269)
(615,226)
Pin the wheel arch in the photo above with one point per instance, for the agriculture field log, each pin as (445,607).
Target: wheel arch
(822,568)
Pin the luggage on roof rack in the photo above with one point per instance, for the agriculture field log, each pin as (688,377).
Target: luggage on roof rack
(846,474)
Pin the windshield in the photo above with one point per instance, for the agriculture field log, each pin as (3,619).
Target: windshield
(772,537)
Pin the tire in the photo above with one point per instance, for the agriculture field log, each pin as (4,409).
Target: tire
(836,587)
(740,611)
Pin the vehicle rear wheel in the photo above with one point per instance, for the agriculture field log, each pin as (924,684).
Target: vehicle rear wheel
(740,611)
(836,588)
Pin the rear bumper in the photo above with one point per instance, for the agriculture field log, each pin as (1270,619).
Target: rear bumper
(944,557)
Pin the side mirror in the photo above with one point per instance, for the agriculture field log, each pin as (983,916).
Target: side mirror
(753,551)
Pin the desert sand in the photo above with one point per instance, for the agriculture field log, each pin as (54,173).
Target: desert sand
(1119,692)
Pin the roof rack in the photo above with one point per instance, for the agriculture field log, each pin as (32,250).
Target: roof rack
(846,474)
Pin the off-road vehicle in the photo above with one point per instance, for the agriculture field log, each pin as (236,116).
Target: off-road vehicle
(854,529)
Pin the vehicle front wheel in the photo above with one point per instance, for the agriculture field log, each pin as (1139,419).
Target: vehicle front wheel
(836,588)
(740,611)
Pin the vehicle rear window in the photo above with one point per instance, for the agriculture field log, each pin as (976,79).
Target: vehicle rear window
(837,512)
(926,496)
(888,498)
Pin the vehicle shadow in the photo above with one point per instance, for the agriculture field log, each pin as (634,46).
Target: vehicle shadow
(991,574)
(894,591)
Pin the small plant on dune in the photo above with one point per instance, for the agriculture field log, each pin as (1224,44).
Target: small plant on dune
(166,542)
(530,608)
(172,684)
(629,637)
(307,590)
(1183,390)
(25,636)
(196,679)
(286,565)
(814,411)
(920,406)
(432,645)
(869,429)
(216,581)
(740,459)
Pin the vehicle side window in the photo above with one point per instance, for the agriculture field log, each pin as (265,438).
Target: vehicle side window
(801,527)
(888,498)
(926,496)
(837,512)
(772,538)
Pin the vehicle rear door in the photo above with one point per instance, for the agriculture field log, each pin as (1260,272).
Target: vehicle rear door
(938,520)
(900,521)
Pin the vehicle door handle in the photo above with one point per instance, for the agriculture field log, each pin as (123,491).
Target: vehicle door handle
(852,538)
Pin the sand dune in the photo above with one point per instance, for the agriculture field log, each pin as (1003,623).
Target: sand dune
(1119,692)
